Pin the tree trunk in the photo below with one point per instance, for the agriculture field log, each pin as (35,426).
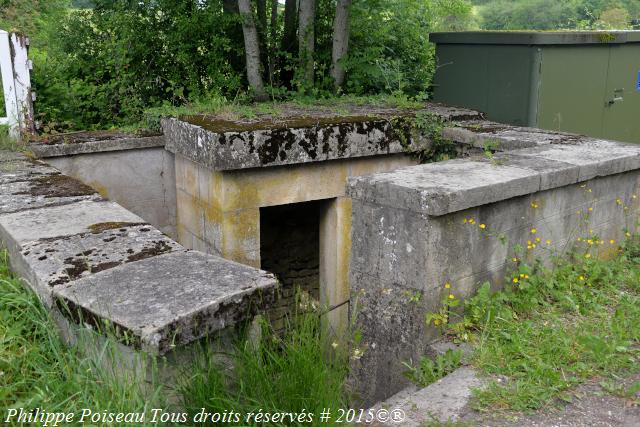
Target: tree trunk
(262,35)
(234,32)
(272,38)
(252,50)
(340,42)
(289,40)
(306,39)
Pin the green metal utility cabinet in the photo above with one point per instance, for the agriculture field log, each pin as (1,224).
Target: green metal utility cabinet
(583,82)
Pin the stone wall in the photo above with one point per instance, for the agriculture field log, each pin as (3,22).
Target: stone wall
(141,180)
(290,249)
(417,228)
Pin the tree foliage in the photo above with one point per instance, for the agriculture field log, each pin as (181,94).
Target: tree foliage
(553,14)
(101,63)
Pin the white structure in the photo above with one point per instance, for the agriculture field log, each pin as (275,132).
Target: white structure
(18,98)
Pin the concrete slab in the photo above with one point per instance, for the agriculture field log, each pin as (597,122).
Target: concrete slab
(30,191)
(552,173)
(446,400)
(440,188)
(505,137)
(61,260)
(593,157)
(169,300)
(18,168)
(84,147)
(311,136)
(60,221)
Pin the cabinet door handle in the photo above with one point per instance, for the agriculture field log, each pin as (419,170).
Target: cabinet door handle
(617,96)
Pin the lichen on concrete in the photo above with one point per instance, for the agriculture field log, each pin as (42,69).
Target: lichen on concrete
(226,145)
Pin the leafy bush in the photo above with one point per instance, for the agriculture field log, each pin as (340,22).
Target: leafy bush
(390,49)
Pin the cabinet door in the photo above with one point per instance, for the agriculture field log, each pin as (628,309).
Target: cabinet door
(622,101)
(572,91)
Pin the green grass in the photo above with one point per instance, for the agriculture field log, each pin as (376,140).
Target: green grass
(278,373)
(558,328)
(246,109)
(431,370)
(294,373)
(37,370)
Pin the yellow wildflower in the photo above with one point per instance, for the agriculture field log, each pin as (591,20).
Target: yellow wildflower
(515,280)
(451,296)
(581,278)
(587,255)
(538,239)
(612,242)
(483,226)
(590,209)
(627,234)
(618,201)
(514,259)
(548,242)
(447,285)
(534,231)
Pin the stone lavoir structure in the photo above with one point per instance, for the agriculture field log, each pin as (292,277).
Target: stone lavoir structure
(233,177)
(329,202)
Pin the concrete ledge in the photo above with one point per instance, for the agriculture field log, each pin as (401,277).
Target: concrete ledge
(169,300)
(440,188)
(501,137)
(446,400)
(101,263)
(44,150)
(227,145)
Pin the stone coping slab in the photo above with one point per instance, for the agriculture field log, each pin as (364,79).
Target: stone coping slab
(61,260)
(62,221)
(121,143)
(224,145)
(86,242)
(441,188)
(169,300)
(501,137)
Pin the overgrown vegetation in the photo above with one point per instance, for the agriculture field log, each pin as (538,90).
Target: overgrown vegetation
(298,373)
(430,370)
(554,328)
(278,373)
(104,65)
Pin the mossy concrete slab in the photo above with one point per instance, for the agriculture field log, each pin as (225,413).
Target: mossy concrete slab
(169,300)
(42,190)
(60,221)
(61,260)
(227,145)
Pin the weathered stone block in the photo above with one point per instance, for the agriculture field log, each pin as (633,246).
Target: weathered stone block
(169,300)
